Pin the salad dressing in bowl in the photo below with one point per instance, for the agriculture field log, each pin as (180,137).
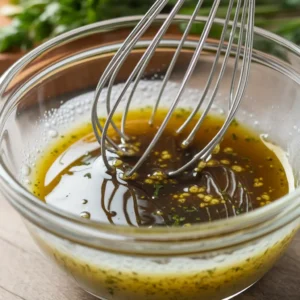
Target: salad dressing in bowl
(243,174)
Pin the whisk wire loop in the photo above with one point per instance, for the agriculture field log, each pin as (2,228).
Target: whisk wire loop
(242,51)
(174,59)
(247,54)
(126,47)
(187,76)
(138,72)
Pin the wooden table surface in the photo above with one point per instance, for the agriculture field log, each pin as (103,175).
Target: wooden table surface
(27,275)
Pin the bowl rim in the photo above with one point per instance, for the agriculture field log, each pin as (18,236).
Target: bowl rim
(226,225)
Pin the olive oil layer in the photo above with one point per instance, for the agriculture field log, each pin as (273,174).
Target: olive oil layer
(242,174)
(210,284)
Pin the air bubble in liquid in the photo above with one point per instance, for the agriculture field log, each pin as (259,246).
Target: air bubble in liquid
(79,111)
(220,111)
(26,170)
(52,133)
(85,215)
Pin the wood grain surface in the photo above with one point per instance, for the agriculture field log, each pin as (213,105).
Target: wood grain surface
(25,274)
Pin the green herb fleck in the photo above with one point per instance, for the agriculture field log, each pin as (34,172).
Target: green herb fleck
(211,272)
(111,291)
(250,139)
(234,137)
(225,196)
(245,158)
(177,220)
(234,122)
(238,211)
(88,175)
(157,188)
(191,209)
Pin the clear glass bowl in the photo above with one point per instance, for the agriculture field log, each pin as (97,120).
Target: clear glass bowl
(207,261)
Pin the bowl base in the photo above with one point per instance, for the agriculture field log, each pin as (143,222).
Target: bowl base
(230,297)
(242,291)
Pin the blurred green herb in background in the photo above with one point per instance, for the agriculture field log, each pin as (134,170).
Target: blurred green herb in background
(37,20)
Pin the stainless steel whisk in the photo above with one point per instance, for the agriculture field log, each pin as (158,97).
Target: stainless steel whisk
(243,19)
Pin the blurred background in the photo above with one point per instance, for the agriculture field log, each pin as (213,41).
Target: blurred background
(26,23)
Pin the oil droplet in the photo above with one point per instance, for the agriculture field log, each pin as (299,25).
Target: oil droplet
(26,170)
(84,201)
(85,215)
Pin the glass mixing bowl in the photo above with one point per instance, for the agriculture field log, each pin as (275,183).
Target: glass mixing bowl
(207,261)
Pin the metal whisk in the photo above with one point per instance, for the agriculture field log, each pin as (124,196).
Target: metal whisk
(240,15)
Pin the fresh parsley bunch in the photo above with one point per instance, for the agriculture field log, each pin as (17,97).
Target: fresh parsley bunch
(38,20)
(42,19)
